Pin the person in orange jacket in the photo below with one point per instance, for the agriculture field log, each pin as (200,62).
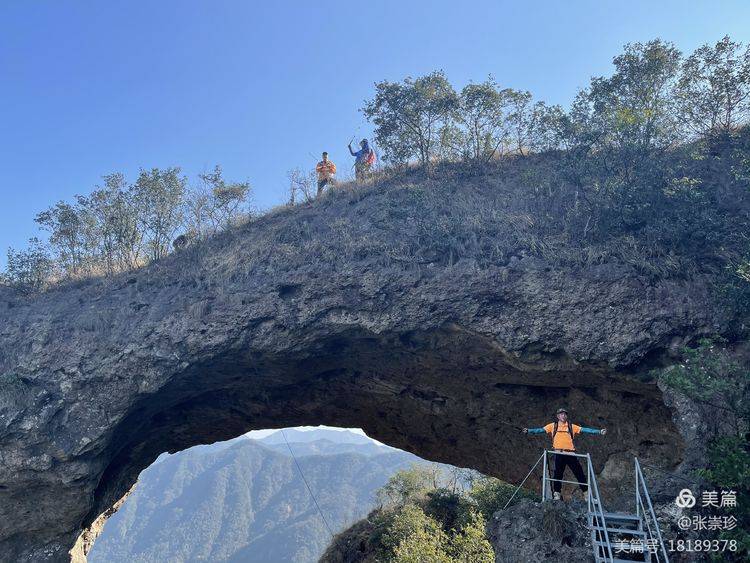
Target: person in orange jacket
(562,432)
(326,171)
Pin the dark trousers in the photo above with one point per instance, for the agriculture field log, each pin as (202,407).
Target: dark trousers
(322,184)
(561,462)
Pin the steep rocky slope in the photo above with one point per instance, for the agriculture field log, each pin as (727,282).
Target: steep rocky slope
(434,314)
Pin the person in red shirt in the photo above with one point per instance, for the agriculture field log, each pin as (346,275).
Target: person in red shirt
(325,170)
(562,432)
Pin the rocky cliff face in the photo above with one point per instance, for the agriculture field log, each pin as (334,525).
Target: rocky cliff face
(531,531)
(373,309)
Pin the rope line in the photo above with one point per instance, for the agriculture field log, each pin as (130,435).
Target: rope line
(673,475)
(309,490)
(522,482)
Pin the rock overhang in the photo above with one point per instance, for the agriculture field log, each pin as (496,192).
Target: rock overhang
(441,359)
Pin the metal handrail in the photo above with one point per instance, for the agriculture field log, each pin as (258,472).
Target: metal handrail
(639,505)
(640,482)
(644,511)
(598,511)
(565,452)
(592,498)
(547,480)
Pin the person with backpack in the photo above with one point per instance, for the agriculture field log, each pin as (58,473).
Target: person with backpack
(562,432)
(364,160)
(325,170)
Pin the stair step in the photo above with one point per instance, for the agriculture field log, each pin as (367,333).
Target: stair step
(606,559)
(620,531)
(625,524)
(620,516)
(603,557)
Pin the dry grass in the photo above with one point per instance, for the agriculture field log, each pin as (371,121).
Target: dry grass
(491,215)
(553,520)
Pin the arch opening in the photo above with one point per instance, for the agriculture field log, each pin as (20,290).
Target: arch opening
(446,395)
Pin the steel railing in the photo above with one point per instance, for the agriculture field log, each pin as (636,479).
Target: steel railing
(593,498)
(645,511)
(598,518)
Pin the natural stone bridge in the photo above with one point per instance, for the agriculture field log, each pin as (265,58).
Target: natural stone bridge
(307,317)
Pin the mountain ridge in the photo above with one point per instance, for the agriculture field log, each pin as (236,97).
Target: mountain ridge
(269,507)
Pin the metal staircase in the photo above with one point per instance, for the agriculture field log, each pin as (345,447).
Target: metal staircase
(616,537)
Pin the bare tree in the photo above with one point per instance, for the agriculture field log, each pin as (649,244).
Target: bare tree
(301,183)
(223,202)
(29,270)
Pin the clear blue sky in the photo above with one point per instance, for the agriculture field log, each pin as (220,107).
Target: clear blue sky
(92,87)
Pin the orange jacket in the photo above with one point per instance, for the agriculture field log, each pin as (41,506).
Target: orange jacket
(562,440)
(325,170)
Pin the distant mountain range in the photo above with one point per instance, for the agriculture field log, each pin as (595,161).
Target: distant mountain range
(244,500)
(337,436)
(323,442)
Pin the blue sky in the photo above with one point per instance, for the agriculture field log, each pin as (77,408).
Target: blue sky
(92,87)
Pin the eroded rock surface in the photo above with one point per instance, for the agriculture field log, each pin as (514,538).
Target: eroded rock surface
(317,316)
(537,532)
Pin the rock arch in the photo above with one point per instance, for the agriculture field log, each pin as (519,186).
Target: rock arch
(277,323)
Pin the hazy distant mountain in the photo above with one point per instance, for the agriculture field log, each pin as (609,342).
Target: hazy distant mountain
(326,447)
(337,436)
(247,502)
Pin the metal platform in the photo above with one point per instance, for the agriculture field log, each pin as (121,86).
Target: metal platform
(615,537)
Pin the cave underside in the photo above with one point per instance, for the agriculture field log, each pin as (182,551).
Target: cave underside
(447,395)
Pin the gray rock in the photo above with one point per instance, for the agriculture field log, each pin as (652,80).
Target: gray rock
(535,532)
(373,309)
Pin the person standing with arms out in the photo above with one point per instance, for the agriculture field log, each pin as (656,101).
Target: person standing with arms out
(364,159)
(562,432)
(326,171)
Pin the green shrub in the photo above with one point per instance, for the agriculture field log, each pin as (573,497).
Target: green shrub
(450,508)
(709,376)
(729,470)
(492,494)
(470,544)
(408,485)
(412,532)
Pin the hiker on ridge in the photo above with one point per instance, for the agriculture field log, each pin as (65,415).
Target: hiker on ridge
(365,158)
(562,432)
(325,170)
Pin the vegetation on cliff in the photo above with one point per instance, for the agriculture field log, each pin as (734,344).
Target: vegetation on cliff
(648,166)
(716,382)
(422,518)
